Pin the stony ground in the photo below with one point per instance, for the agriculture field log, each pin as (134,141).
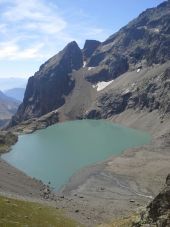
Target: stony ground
(113,188)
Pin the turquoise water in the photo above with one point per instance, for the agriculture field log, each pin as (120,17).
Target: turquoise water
(54,154)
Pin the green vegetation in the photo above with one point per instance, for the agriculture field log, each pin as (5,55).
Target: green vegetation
(16,213)
(122,222)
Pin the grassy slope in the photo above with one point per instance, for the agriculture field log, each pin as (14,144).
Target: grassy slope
(122,222)
(16,213)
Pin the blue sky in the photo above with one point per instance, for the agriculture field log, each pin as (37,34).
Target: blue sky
(31,31)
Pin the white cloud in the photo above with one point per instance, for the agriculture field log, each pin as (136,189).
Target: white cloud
(3,28)
(31,29)
(35,15)
(24,25)
(11,51)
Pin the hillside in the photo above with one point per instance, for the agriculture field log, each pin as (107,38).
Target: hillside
(24,213)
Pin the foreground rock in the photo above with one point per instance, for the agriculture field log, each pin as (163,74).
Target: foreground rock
(158,211)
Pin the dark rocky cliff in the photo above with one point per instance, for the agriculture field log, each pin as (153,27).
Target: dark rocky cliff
(46,90)
(142,45)
(89,47)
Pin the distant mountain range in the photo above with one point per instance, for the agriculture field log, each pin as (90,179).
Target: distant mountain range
(12,82)
(8,107)
(16,93)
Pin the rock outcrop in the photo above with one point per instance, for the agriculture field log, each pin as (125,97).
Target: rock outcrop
(7,139)
(158,211)
(152,93)
(36,123)
(89,47)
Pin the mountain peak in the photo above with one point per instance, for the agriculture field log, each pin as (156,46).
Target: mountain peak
(72,44)
(89,47)
(70,56)
(164,4)
(141,43)
(51,83)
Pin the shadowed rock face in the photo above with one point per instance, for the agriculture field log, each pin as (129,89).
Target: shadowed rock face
(46,90)
(143,43)
(89,47)
(114,67)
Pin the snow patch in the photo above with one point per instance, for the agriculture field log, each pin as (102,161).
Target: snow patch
(84,64)
(156,30)
(90,68)
(101,85)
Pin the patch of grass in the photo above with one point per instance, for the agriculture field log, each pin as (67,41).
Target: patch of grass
(16,213)
(122,222)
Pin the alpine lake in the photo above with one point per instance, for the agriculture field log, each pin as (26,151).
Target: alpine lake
(54,154)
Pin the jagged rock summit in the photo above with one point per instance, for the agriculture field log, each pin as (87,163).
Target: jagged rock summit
(46,89)
(89,47)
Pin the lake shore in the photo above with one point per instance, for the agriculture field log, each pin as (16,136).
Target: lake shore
(113,188)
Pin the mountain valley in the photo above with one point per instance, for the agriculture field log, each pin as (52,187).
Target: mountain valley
(123,80)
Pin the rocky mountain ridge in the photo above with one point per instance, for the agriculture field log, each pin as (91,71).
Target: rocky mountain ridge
(141,45)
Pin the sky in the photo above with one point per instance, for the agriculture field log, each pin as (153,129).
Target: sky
(31,31)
